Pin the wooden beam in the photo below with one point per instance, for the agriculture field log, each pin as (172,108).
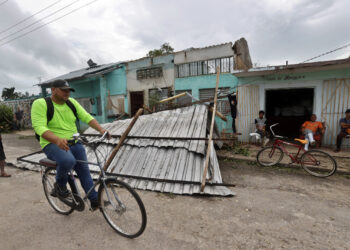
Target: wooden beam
(173,97)
(147,108)
(206,164)
(217,113)
(121,140)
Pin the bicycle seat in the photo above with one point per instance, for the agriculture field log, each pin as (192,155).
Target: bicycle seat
(47,162)
(301,141)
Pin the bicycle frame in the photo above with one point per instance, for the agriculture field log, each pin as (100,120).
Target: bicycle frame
(101,179)
(295,158)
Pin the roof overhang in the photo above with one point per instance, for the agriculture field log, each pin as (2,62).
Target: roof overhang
(296,68)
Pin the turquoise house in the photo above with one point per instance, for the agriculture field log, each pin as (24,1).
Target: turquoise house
(289,94)
(100,89)
(195,73)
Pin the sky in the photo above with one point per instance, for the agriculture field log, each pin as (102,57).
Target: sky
(116,30)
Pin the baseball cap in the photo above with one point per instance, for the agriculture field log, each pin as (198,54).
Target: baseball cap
(347,111)
(61,84)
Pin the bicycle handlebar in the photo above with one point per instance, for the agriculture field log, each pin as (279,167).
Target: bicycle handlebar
(83,139)
(273,133)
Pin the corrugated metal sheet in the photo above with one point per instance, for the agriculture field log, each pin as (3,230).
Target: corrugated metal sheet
(335,100)
(163,159)
(85,72)
(248,110)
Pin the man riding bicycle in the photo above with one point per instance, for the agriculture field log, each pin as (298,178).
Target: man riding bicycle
(55,133)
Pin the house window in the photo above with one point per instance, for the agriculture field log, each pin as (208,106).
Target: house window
(205,67)
(223,106)
(115,105)
(85,103)
(155,95)
(183,99)
(148,73)
(99,105)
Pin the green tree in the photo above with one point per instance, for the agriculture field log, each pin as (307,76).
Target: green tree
(164,49)
(6,117)
(9,93)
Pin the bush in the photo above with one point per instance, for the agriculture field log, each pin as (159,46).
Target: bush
(6,118)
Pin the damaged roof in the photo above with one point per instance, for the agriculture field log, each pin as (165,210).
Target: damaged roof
(165,159)
(291,68)
(85,73)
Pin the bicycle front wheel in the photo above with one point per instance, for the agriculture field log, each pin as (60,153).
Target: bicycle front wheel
(48,179)
(318,163)
(122,208)
(269,156)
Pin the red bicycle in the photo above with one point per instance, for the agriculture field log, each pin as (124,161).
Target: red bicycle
(315,162)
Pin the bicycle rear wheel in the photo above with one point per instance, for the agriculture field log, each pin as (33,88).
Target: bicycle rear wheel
(318,163)
(122,208)
(269,156)
(48,179)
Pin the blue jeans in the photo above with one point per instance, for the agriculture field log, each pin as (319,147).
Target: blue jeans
(66,161)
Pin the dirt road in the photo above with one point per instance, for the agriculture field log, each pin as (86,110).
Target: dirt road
(274,208)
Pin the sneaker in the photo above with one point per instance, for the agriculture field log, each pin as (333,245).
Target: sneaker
(266,141)
(62,192)
(94,205)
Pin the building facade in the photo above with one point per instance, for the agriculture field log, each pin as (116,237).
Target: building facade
(149,79)
(195,73)
(290,94)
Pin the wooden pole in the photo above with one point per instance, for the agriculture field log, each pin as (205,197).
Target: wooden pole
(173,97)
(147,108)
(218,114)
(121,140)
(206,164)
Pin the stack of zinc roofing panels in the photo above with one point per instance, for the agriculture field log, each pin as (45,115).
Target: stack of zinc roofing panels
(180,160)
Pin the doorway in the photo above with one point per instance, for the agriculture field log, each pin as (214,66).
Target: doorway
(290,108)
(136,101)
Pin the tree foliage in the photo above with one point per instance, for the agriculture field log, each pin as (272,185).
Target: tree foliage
(6,117)
(9,93)
(164,49)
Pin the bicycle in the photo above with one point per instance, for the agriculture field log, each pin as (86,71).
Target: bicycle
(315,162)
(120,205)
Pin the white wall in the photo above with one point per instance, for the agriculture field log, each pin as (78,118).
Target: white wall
(201,54)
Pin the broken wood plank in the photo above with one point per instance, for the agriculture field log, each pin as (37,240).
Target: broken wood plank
(122,138)
(147,108)
(173,97)
(206,164)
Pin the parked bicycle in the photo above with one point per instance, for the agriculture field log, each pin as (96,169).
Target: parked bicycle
(120,205)
(315,162)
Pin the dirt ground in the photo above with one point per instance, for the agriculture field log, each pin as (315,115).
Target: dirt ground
(275,208)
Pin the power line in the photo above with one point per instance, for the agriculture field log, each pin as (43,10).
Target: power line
(326,53)
(47,23)
(14,33)
(25,19)
(4,2)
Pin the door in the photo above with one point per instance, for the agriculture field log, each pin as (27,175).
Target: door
(335,100)
(136,101)
(248,110)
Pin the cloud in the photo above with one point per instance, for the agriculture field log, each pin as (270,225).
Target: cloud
(109,31)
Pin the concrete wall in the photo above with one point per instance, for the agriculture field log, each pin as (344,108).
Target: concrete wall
(166,62)
(201,54)
(114,81)
(195,83)
(320,81)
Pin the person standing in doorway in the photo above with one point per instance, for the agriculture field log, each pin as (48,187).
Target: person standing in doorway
(232,98)
(344,129)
